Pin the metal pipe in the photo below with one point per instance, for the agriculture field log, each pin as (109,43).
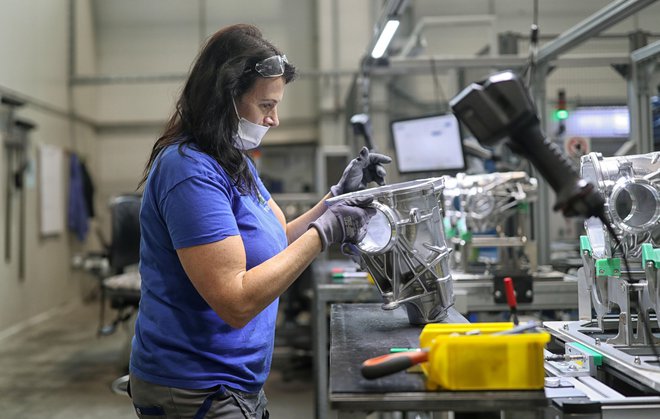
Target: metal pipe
(127,79)
(71,67)
(335,52)
(639,96)
(608,16)
(179,77)
(647,52)
(599,36)
(444,21)
(45,107)
(542,213)
(400,65)
(202,20)
(73,53)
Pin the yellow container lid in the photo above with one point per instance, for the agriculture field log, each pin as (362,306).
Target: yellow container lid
(460,361)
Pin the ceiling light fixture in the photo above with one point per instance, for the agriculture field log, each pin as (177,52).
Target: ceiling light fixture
(385,37)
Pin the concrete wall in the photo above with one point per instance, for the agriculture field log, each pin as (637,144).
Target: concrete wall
(34,47)
(132,116)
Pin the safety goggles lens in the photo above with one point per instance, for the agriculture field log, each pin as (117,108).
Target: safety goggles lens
(271,66)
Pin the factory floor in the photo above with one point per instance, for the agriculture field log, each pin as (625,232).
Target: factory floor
(59,369)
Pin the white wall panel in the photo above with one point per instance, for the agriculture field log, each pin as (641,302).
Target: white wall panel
(34,44)
(34,47)
(150,46)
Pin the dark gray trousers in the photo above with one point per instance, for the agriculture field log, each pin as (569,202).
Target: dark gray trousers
(152,401)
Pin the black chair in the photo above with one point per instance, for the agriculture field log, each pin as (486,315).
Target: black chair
(121,287)
(124,250)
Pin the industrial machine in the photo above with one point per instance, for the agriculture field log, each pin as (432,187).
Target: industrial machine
(619,296)
(610,364)
(490,210)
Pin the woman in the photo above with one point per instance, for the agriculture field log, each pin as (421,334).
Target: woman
(216,250)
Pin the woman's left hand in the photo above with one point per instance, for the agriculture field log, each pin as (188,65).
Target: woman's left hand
(365,168)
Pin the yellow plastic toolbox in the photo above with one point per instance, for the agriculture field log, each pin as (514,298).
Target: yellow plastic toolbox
(483,361)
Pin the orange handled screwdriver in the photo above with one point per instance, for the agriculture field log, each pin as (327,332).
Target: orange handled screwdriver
(511,299)
(383,365)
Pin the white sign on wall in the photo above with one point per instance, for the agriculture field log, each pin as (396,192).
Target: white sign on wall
(51,189)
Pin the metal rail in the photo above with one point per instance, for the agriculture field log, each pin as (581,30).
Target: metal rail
(608,16)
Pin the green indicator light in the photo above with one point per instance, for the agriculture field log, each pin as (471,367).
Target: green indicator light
(561,114)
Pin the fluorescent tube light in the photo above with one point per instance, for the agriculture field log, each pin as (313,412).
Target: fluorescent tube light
(385,38)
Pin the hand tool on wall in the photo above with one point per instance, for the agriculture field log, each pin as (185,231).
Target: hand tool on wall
(21,131)
(11,144)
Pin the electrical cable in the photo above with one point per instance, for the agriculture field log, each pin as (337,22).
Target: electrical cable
(645,322)
(437,88)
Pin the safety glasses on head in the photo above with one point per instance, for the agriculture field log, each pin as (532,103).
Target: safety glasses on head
(271,66)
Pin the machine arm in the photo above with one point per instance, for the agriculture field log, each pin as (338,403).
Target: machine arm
(501,108)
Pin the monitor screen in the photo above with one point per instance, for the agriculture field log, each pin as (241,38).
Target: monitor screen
(599,122)
(428,144)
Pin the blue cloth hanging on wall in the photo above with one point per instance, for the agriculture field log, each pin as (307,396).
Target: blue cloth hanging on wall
(77,214)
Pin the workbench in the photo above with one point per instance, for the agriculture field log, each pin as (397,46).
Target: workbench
(362,331)
(552,290)
(325,293)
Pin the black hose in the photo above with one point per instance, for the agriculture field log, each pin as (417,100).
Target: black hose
(645,321)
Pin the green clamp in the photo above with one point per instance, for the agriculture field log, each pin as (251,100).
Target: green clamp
(608,267)
(649,254)
(597,356)
(449,230)
(585,245)
(463,232)
(523,207)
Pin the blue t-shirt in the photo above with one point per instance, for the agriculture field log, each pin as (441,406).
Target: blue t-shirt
(179,340)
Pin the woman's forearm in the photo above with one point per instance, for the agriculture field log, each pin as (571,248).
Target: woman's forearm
(297,227)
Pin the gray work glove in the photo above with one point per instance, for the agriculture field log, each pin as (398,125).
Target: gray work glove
(344,221)
(366,167)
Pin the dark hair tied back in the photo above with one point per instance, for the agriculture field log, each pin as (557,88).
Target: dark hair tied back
(204,113)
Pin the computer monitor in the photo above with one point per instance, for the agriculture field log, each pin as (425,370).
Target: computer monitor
(599,122)
(428,144)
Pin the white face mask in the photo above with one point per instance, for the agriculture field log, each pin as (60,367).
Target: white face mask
(249,134)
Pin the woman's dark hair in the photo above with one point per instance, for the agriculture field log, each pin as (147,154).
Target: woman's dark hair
(204,114)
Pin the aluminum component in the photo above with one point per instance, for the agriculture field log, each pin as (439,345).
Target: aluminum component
(631,188)
(405,249)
